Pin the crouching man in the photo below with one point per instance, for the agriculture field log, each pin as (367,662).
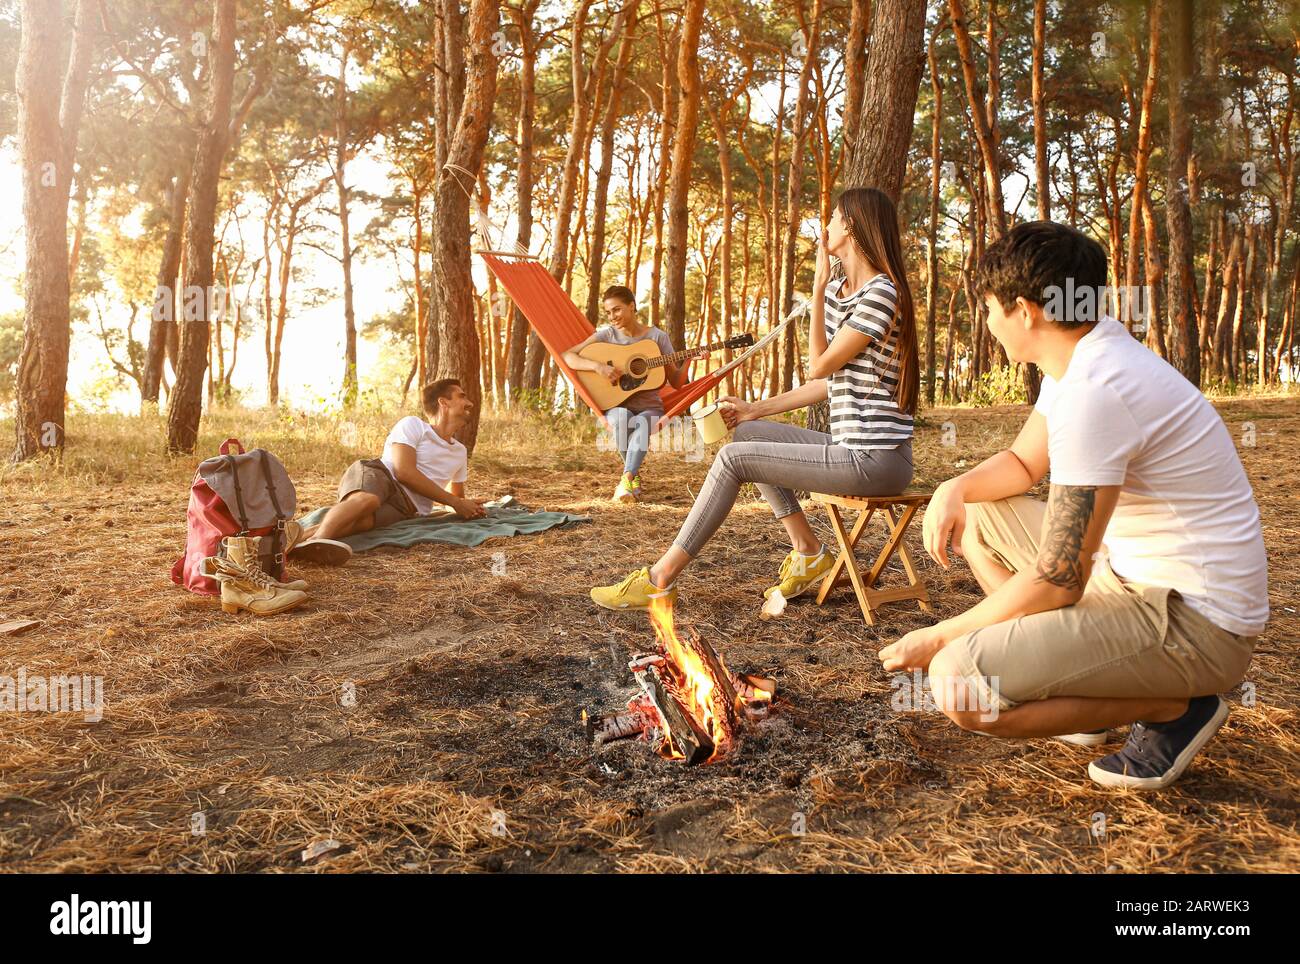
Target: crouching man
(422,464)
(1135,593)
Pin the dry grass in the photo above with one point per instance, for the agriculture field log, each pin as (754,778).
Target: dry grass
(461,751)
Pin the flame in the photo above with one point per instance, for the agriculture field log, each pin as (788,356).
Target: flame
(696,683)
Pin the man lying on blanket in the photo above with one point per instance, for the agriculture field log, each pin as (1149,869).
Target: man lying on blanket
(1135,594)
(422,464)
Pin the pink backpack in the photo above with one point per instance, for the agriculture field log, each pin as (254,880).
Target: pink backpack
(249,494)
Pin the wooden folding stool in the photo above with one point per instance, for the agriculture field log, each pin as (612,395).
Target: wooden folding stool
(901,509)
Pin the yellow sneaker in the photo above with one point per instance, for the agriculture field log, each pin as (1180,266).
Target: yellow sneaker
(626,491)
(799,573)
(634,592)
(636,487)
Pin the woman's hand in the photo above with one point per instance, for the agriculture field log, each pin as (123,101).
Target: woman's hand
(915,650)
(945,521)
(609,372)
(822,276)
(736,410)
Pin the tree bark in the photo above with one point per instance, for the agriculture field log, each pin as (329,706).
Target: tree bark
(679,181)
(1142,155)
(1040,113)
(794,187)
(458,354)
(1185,354)
(979,117)
(896,64)
(932,233)
(855,69)
(49,116)
(345,233)
(624,25)
(165,301)
(185,404)
(523,340)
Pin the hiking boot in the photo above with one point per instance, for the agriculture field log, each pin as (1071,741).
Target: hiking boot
(250,589)
(242,551)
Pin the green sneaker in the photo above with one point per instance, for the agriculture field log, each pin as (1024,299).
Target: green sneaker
(634,592)
(799,573)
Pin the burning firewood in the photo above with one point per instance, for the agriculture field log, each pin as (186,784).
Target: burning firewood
(691,706)
(620,726)
(684,735)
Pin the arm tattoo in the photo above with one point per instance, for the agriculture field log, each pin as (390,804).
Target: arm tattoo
(1069,512)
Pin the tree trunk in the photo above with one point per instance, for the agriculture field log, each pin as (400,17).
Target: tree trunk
(523,340)
(679,182)
(49,116)
(1040,113)
(889,96)
(932,234)
(979,117)
(794,188)
(186,403)
(165,301)
(1180,298)
(1142,154)
(345,234)
(879,158)
(458,351)
(624,24)
(855,69)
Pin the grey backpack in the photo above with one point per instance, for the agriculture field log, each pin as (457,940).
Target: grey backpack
(248,494)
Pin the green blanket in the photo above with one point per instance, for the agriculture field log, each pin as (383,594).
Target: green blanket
(505,517)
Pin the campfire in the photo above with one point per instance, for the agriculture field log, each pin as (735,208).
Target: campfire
(691,707)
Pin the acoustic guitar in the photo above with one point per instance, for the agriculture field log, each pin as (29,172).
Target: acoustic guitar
(640,366)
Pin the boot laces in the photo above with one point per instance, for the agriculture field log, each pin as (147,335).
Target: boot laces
(252,572)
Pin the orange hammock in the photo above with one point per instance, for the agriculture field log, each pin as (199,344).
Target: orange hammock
(560,326)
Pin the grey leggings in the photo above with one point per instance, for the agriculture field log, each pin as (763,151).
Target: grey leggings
(780,457)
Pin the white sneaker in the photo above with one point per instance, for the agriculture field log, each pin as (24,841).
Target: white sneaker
(1091,738)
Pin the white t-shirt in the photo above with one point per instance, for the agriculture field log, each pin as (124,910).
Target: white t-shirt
(439,460)
(1186,516)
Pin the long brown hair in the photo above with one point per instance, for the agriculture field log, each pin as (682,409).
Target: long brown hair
(873,224)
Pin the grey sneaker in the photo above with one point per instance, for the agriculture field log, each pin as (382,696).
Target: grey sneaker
(326,552)
(1156,754)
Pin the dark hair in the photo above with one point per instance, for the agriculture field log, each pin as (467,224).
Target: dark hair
(872,221)
(621,292)
(433,391)
(1042,262)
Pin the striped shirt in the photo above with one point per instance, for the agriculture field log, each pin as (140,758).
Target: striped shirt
(864,414)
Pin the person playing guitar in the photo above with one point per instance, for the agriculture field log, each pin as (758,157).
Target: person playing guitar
(634,419)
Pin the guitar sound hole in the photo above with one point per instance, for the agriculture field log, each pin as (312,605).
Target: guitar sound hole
(636,367)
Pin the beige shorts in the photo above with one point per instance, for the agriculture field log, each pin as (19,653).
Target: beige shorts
(1122,639)
(371,475)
